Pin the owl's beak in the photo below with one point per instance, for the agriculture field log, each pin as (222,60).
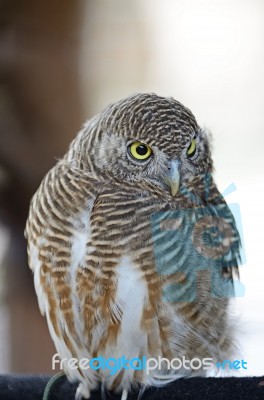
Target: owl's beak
(172,178)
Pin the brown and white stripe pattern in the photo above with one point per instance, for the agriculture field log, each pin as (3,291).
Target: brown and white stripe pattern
(90,245)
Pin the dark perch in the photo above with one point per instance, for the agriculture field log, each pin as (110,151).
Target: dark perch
(31,387)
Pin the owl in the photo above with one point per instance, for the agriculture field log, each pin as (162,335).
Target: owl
(133,249)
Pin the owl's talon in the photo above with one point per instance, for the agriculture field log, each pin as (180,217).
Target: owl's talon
(124,395)
(54,379)
(82,392)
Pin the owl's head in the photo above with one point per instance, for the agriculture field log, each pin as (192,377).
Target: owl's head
(147,138)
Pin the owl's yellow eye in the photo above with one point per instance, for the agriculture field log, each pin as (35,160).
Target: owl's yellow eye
(192,148)
(140,151)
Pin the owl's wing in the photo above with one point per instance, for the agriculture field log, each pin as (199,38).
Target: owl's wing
(58,232)
(190,241)
(227,238)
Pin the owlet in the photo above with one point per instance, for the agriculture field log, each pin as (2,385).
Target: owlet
(134,249)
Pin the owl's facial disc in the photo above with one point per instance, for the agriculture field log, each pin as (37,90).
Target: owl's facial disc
(172,177)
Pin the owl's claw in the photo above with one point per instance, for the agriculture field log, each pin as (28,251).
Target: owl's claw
(54,379)
(141,391)
(124,395)
(82,392)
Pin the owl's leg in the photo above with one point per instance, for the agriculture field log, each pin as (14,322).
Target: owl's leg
(82,392)
(124,395)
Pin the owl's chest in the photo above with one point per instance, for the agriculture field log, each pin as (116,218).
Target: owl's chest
(155,235)
(127,223)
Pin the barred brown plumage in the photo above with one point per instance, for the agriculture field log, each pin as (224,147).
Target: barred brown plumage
(110,276)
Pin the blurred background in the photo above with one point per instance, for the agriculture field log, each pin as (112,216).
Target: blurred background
(62,61)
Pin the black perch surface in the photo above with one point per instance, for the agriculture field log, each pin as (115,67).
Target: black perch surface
(31,387)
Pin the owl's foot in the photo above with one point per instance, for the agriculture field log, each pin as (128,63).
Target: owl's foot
(82,392)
